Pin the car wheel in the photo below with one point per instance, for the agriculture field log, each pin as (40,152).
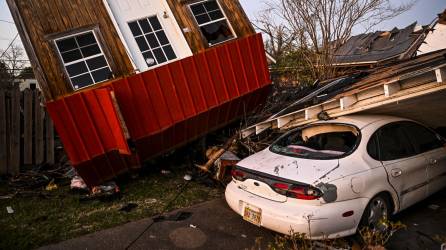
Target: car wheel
(376,213)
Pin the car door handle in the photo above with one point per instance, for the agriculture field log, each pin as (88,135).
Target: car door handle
(433,161)
(396,172)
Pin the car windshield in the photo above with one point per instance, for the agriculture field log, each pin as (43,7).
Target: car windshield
(322,141)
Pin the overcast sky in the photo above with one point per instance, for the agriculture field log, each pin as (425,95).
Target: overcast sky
(423,12)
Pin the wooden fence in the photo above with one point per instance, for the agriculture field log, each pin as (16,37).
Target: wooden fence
(26,131)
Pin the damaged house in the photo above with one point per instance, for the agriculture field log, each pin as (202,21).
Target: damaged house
(126,80)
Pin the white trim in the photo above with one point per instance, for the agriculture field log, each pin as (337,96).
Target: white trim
(83,59)
(234,35)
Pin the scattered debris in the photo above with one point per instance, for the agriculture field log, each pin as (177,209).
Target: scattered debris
(228,159)
(244,236)
(188,177)
(128,207)
(9,210)
(51,186)
(108,190)
(434,206)
(78,184)
(213,157)
(165,172)
(192,226)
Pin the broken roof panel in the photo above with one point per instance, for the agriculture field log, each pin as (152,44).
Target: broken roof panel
(377,46)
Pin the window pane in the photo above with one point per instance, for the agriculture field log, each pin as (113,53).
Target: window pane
(149,58)
(142,44)
(159,55)
(101,75)
(90,50)
(198,9)
(86,39)
(169,52)
(394,143)
(71,56)
(162,37)
(152,40)
(217,32)
(423,139)
(77,69)
(136,31)
(372,147)
(216,15)
(82,81)
(145,26)
(202,18)
(96,63)
(211,5)
(155,23)
(66,44)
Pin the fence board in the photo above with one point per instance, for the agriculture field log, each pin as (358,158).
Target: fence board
(27,127)
(38,130)
(3,145)
(49,138)
(14,133)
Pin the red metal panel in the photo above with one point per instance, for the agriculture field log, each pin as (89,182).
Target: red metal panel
(162,108)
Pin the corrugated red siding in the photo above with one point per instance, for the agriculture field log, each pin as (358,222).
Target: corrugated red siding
(167,106)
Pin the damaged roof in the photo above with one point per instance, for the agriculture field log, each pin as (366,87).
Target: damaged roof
(379,46)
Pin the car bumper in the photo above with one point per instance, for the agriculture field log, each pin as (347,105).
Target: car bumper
(315,221)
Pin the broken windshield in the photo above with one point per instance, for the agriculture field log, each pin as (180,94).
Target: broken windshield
(322,141)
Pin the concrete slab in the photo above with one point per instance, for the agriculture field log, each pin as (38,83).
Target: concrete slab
(213,225)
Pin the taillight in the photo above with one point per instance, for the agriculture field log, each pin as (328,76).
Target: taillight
(297,191)
(238,174)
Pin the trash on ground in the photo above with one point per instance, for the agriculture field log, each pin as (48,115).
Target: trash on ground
(9,210)
(77,183)
(188,177)
(51,186)
(192,226)
(108,190)
(226,160)
(165,172)
(128,207)
(244,236)
(434,206)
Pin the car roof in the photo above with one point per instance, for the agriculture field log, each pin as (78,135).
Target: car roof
(362,121)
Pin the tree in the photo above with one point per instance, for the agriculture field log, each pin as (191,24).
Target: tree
(14,61)
(5,77)
(321,26)
(26,73)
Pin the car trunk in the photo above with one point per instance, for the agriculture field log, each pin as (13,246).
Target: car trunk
(266,169)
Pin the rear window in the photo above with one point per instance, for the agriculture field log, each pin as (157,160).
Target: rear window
(324,141)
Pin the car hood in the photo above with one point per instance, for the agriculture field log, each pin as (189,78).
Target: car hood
(302,170)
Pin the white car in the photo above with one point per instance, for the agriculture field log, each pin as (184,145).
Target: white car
(330,178)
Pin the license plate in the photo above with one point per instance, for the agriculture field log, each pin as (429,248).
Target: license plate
(252,214)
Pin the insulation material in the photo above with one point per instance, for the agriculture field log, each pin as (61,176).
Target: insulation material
(309,132)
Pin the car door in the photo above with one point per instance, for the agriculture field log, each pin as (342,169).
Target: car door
(432,146)
(405,168)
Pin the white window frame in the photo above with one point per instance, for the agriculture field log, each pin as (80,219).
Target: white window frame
(234,36)
(143,35)
(84,59)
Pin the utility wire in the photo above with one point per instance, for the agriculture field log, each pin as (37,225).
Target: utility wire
(160,216)
(6,21)
(10,44)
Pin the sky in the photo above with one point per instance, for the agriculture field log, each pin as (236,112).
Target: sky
(424,12)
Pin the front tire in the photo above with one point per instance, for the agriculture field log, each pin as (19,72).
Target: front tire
(376,213)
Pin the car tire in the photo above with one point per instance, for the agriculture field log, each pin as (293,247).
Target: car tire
(376,213)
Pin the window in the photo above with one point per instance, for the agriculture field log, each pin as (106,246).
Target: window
(212,22)
(83,59)
(394,143)
(329,141)
(152,41)
(422,138)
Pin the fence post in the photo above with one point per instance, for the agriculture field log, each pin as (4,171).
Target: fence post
(39,146)
(27,127)
(3,145)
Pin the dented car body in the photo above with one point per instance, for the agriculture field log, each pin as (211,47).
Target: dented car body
(331,177)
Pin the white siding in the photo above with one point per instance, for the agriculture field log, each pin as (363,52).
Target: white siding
(435,40)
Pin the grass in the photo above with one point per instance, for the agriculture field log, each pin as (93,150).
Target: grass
(59,215)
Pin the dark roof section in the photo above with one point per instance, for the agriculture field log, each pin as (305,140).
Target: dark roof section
(378,46)
(442,17)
